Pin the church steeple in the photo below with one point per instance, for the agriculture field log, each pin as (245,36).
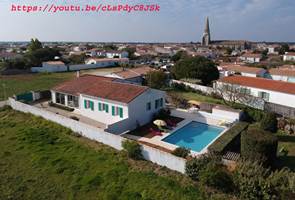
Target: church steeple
(206,36)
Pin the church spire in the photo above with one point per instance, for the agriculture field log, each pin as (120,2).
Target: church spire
(206,36)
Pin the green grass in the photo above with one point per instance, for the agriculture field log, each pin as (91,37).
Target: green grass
(16,84)
(197,97)
(43,160)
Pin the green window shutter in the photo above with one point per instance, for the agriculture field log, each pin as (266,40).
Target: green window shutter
(91,105)
(121,112)
(85,104)
(113,110)
(99,106)
(107,108)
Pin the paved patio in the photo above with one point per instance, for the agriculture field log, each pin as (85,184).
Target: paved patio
(68,114)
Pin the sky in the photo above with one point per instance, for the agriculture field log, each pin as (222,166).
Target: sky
(177,21)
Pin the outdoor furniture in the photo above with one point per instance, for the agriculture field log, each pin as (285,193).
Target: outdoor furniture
(171,123)
(155,132)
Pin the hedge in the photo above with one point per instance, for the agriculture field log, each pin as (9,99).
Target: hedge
(259,145)
(223,141)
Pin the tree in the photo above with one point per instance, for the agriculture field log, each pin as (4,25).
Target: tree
(283,49)
(34,45)
(38,56)
(232,94)
(196,68)
(179,55)
(156,79)
(131,51)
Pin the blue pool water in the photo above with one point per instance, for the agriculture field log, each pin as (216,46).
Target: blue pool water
(195,136)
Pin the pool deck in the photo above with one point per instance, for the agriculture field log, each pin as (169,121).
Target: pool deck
(158,140)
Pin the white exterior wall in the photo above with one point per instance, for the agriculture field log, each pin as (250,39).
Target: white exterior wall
(276,97)
(289,58)
(137,108)
(50,68)
(120,55)
(102,116)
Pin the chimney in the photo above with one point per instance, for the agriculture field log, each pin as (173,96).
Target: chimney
(78,74)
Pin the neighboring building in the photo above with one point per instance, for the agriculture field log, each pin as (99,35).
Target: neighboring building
(232,44)
(227,69)
(116,54)
(289,56)
(106,62)
(206,39)
(51,66)
(120,106)
(134,75)
(251,58)
(4,55)
(283,74)
(278,96)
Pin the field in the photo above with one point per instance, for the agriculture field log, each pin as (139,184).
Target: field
(15,84)
(43,160)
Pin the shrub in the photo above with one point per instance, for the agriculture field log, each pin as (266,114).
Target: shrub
(269,122)
(162,114)
(181,152)
(252,114)
(223,141)
(195,165)
(214,176)
(258,145)
(178,86)
(133,149)
(249,178)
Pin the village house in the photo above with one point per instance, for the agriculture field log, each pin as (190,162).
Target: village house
(119,105)
(227,69)
(278,96)
(251,58)
(289,56)
(51,66)
(106,62)
(116,54)
(283,74)
(134,75)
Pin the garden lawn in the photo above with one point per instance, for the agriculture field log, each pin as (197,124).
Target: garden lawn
(197,97)
(16,84)
(43,160)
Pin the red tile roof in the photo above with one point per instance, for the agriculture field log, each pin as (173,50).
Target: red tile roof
(282,71)
(102,87)
(134,72)
(245,69)
(261,83)
(290,53)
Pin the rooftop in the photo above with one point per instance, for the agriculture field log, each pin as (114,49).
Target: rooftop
(261,83)
(282,71)
(102,87)
(54,63)
(239,68)
(133,72)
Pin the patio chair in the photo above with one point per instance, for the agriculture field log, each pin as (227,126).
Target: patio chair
(170,123)
(155,132)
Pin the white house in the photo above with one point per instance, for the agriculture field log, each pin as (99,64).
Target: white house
(283,74)
(51,66)
(278,95)
(289,56)
(116,54)
(106,62)
(227,69)
(119,105)
(250,58)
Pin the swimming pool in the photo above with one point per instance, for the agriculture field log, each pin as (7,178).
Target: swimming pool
(195,136)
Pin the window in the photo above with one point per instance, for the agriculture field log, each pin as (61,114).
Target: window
(245,91)
(264,95)
(60,98)
(73,101)
(117,111)
(103,107)
(159,103)
(149,106)
(88,104)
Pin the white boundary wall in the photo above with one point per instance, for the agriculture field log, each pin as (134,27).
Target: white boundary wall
(149,153)
(205,89)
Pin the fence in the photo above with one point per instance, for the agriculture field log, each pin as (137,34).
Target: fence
(149,153)
(204,89)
